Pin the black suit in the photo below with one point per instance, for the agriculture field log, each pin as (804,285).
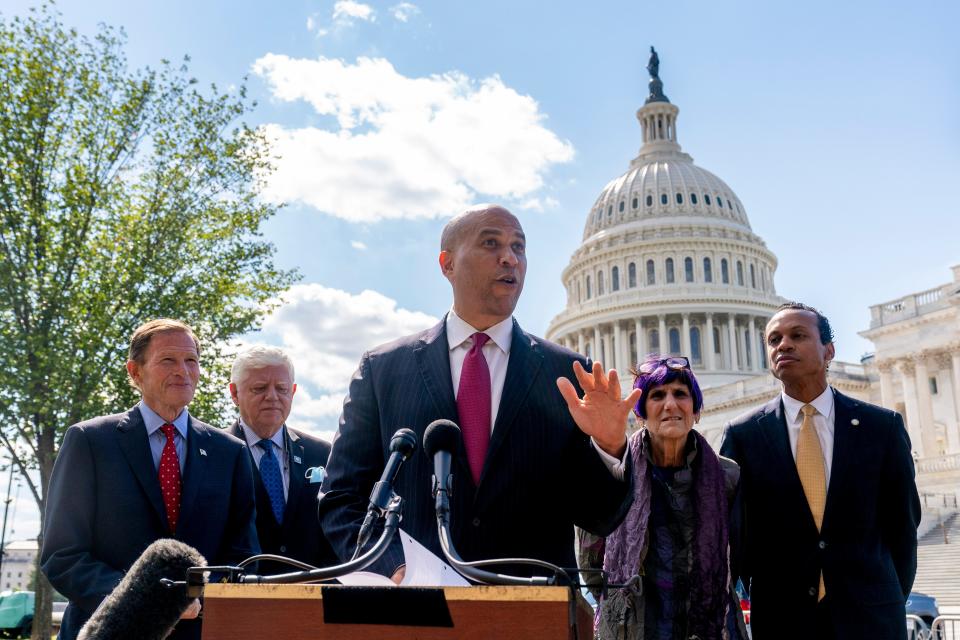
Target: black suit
(540,476)
(867,547)
(300,536)
(104,507)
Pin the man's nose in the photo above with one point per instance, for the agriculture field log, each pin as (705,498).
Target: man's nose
(508,257)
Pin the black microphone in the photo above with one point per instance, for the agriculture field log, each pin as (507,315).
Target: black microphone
(402,446)
(141,606)
(440,442)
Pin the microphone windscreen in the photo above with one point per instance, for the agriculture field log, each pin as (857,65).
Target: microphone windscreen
(441,435)
(140,606)
(404,441)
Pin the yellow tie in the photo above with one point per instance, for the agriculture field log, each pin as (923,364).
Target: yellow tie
(812,473)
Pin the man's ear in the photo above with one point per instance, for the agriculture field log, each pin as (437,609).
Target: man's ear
(133,370)
(831,352)
(233,394)
(446,262)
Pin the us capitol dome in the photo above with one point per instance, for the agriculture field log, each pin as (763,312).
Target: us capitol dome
(669,264)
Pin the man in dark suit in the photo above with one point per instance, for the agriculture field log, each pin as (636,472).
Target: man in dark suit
(525,473)
(121,482)
(289,465)
(828,541)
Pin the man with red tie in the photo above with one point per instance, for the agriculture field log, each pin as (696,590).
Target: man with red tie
(525,472)
(121,482)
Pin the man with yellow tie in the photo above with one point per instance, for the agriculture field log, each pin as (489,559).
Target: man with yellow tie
(827,541)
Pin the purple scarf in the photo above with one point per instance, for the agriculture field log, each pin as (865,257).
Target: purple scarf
(709,580)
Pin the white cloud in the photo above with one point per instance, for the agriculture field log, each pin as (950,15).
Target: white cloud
(404,10)
(345,11)
(313,25)
(404,147)
(326,331)
(359,246)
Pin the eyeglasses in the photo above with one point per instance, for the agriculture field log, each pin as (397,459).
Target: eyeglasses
(676,363)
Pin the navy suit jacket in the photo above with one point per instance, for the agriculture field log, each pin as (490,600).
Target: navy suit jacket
(300,536)
(541,476)
(104,508)
(867,547)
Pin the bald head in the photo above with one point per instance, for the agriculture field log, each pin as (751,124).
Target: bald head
(458,227)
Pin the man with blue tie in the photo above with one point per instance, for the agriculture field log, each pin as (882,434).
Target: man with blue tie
(527,470)
(289,463)
(120,482)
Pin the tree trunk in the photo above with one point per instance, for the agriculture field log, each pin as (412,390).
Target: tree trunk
(43,609)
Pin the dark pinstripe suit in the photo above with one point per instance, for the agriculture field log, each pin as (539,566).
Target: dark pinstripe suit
(541,475)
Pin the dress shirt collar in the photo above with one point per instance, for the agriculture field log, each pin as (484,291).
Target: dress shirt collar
(252,438)
(153,421)
(823,403)
(458,332)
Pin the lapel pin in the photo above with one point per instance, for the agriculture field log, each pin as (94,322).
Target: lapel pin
(297,460)
(855,422)
(203,452)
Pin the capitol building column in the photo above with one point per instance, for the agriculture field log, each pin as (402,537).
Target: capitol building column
(595,352)
(580,341)
(906,369)
(708,344)
(953,426)
(755,346)
(618,358)
(955,360)
(641,340)
(732,336)
(685,337)
(663,344)
(886,385)
(925,402)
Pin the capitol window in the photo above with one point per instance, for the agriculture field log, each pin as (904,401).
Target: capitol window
(663,198)
(716,340)
(674,340)
(621,206)
(631,275)
(588,288)
(688,269)
(719,202)
(654,341)
(599,283)
(610,210)
(635,203)
(669,266)
(739,273)
(695,354)
(724,272)
(753,277)
(693,198)
(615,279)
(707,272)
(679,198)
(651,273)
(649,201)
(706,198)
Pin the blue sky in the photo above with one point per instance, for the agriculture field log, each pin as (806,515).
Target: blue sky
(835,123)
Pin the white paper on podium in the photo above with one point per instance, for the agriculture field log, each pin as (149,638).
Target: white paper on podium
(423,569)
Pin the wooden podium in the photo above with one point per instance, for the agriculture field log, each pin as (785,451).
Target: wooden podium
(275,612)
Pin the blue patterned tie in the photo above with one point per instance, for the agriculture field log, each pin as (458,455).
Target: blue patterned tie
(272,480)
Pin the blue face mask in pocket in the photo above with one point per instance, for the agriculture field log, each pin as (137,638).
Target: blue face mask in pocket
(315,475)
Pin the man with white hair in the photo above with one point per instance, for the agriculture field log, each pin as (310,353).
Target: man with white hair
(289,464)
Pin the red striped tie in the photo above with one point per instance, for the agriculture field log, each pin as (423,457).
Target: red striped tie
(170,477)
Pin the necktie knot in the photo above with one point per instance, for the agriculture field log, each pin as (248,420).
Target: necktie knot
(168,430)
(267,446)
(479,339)
(808,410)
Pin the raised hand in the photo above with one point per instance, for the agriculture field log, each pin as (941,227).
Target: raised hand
(601,413)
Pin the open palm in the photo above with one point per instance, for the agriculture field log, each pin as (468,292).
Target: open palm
(601,413)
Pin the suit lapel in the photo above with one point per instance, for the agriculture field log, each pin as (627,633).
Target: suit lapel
(773,425)
(132,434)
(297,473)
(845,434)
(522,369)
(195,468)
(433,361)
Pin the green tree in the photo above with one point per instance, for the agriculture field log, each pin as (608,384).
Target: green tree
(125,195)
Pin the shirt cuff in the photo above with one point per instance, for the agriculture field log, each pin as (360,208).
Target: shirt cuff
(614,466)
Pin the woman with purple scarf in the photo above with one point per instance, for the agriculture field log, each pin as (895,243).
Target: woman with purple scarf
(671,550)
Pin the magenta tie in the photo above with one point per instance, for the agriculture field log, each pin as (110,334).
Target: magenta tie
(473,405)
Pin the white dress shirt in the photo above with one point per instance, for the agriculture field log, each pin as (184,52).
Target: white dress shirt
(279,452)
(152,421)
(497,353)
(823,421)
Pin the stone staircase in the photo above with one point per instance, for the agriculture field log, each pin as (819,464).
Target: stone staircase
(938,564)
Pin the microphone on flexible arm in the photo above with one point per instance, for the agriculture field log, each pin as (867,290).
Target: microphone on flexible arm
(147,604)
(440,442)
(402,446)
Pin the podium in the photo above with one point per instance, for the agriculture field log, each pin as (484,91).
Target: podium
(274,611)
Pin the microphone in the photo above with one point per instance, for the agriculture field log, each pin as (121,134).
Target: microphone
(141,606)
(440,442)
(402,446)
